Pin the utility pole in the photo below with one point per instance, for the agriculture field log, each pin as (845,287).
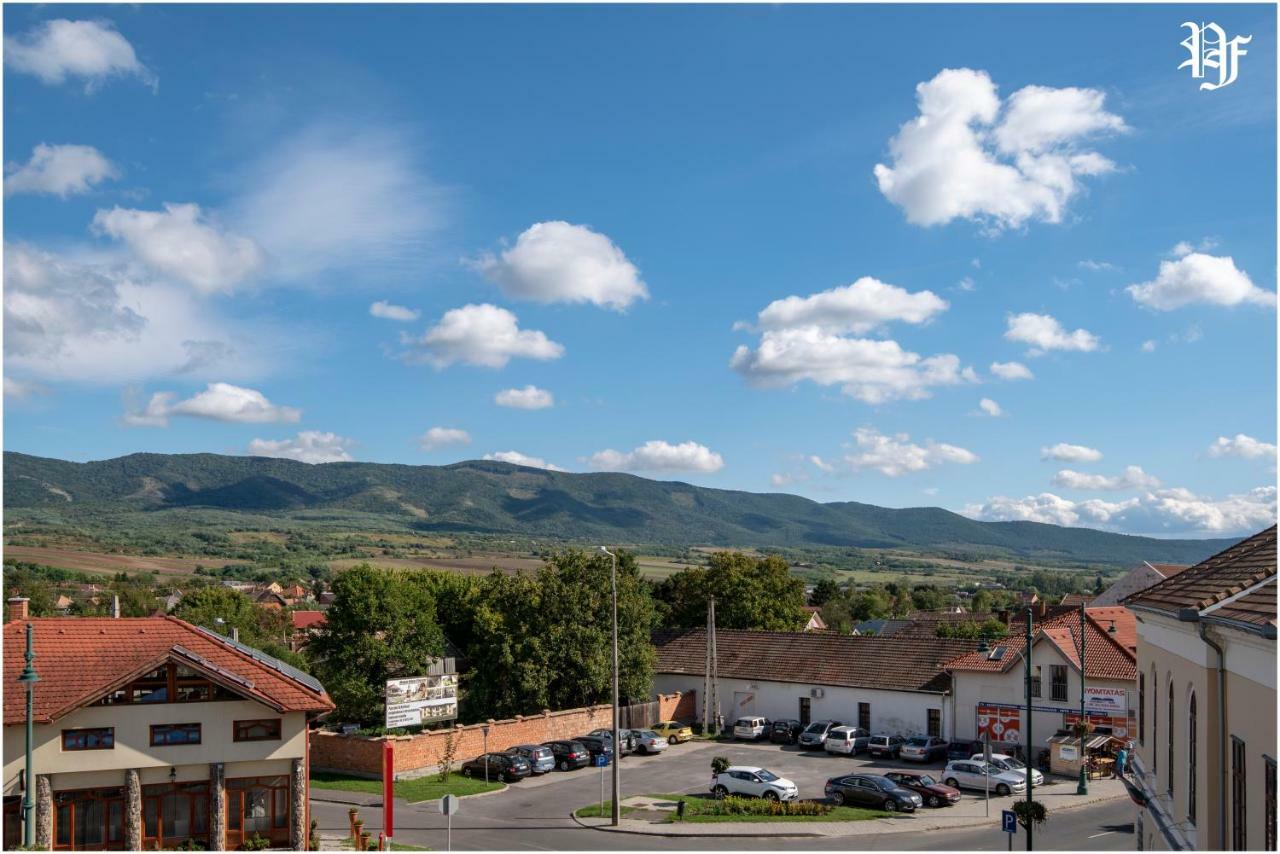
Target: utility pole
(617,742)
(1082,788)
(715,669)
(1029,741)
(706,674)
(30,678)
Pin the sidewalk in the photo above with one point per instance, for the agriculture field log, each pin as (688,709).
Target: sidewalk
(970,812)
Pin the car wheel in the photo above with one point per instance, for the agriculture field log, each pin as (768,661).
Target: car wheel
(934,801)
(838,799)
(1002,790)
(951,781)
(719,792)
(890,805)
(564,764)
(770,795)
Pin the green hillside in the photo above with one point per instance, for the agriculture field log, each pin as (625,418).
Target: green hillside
(498,498)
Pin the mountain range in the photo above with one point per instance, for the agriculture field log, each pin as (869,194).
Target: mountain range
(490,498)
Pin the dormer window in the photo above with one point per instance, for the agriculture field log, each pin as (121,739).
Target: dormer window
(168,683)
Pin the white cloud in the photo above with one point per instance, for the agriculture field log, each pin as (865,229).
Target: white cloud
(859,308)
(389,311)
(1133,477)
(1149,346)
(1045,333)
(1048,508)
(821,465)
(1070,453)
(1199,278)
(519,459)
(178,242)
(309,446)
(21,389)
(529,397)
(873,371)
(219,402)
(966,284)
(58,49)
(990,407)
(1011,371)
(484,335)
(897,455)
(560,262)
(1181,509)
(781,480)
(59,170)
(966,156)
(1244,446)
(656,455)
(1096,266)
(443,437)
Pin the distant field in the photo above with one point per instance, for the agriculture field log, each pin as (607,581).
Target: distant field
(479,565)
(108,563)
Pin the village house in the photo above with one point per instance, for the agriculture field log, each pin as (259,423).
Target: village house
(305,624)
(1205,765)
(151,733)
(1142,576)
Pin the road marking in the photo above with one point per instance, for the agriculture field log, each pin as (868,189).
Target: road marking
(1104,833)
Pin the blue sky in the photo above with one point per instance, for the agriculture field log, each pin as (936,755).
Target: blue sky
(203,204)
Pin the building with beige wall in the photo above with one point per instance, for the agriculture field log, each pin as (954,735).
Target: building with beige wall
(1205,759)
(150,733)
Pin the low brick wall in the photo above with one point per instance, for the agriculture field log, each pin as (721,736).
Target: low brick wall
(679,706)
(418,755)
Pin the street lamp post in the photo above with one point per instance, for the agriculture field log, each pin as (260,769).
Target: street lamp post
(1030,741)
(30,678)
(617,744)
(1082,788)
(485,730)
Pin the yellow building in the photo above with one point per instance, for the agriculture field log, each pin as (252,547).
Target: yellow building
(1205,759)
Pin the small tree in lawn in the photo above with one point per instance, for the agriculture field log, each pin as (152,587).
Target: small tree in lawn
(448,755)
(719,764)
(1030,812)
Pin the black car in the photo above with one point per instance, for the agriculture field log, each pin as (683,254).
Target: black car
(814,736)
(962,751)
(785,731)
(597,746)
(871,790)
(626,739)
(569,754)
(501,766)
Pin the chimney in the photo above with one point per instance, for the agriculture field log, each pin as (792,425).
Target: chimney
(235,635)
(18,609)
(1043,610)
(1003,614)
(115,610)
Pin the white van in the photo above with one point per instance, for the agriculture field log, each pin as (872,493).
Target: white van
(751,729)
(849,740)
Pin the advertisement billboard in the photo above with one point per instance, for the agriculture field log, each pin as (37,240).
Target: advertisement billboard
(422,700)
(1106,700)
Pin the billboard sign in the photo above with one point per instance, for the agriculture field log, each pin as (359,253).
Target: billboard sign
(999,724)
(1107,700)
(422,700)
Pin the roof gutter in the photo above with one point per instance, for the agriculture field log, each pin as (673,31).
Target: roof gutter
(1222,735)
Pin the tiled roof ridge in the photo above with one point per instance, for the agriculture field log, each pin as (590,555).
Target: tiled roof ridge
(1264,539)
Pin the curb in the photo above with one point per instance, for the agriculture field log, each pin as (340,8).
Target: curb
(611,829)
(505,786)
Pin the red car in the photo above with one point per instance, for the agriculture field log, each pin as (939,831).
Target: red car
(934,793)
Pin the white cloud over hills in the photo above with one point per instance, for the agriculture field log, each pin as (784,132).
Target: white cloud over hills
(483,335)
(218,402)
(897,455)
(309,446)
(443,437)
(659,456)
(519,459)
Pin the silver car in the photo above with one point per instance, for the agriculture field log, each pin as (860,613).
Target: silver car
(541,759)
(648,741)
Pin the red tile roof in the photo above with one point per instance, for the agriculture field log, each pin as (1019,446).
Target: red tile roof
(1108,657)
(1246,564)
(307,619)
(81,659)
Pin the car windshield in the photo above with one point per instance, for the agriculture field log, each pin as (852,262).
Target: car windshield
(1012,764)
(918,742)
(766,775)
(816,728)
(648,733)
(926,780)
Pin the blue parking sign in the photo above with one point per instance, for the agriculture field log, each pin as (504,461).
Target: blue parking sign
(1008,821)
(603,760)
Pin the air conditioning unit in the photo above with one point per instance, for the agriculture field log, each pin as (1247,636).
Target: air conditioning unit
(817,693)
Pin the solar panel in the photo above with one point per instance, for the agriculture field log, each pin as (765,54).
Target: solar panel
(996,654)
(270,661)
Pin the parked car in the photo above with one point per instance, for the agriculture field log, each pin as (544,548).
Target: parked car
(751,729)
(648,741)
(597,746)
(539,757)
(924,748)
(569,754)
(871,790)
(935,794)
(885,745)
(502,766)
(847,739)
(673,731)
(624,737)
(815,734)
(963,749)
(785,731)
(1005,762)
(753,782)
(960,774)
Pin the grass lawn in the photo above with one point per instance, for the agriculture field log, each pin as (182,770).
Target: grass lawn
(422,789)
(694,806)
(400,846)
(594,811)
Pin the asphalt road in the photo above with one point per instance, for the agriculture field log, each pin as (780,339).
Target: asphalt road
(534,814)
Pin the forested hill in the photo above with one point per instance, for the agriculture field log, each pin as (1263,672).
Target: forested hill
(498,498)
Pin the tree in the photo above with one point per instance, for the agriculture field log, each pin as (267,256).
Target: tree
(981,602)
(751,593)
(381,625)
(823,592)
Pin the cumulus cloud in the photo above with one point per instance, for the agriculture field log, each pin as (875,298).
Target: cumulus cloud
(1149,346)
(656,455)
(560,262)
(219,402)
(1195,277)
(1164,511)
(309,446)
(1045,333)
(389,311)
(859,308)
(180,243)
(59,170)
(821,465)
(21,389)
(443,437)
(780,480)
(519,459)
(529,397)
(483,335)
(897,455)
(987,406)
(1133,477)
(1011,371)
(1244,446)
(92,50)
(1069,453)
(969,156)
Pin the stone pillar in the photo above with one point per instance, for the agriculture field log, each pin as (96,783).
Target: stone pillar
(132,810)
(44,813)
(298,806)
(217,806)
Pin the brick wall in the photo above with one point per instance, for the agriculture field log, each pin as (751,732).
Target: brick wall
(418,755)
(679,706)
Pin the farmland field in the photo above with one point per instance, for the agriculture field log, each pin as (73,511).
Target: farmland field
(84,561)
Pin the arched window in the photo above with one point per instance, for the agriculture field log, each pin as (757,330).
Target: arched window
(1155,722)
(1169,736)
(1142,708)
(1191,759)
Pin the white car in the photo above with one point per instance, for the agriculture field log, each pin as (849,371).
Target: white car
(751,729)
(1005,762)
(648,741)
(753,782)
(968,774)
(846,739)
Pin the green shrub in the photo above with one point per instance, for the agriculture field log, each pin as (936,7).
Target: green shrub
(763,806)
